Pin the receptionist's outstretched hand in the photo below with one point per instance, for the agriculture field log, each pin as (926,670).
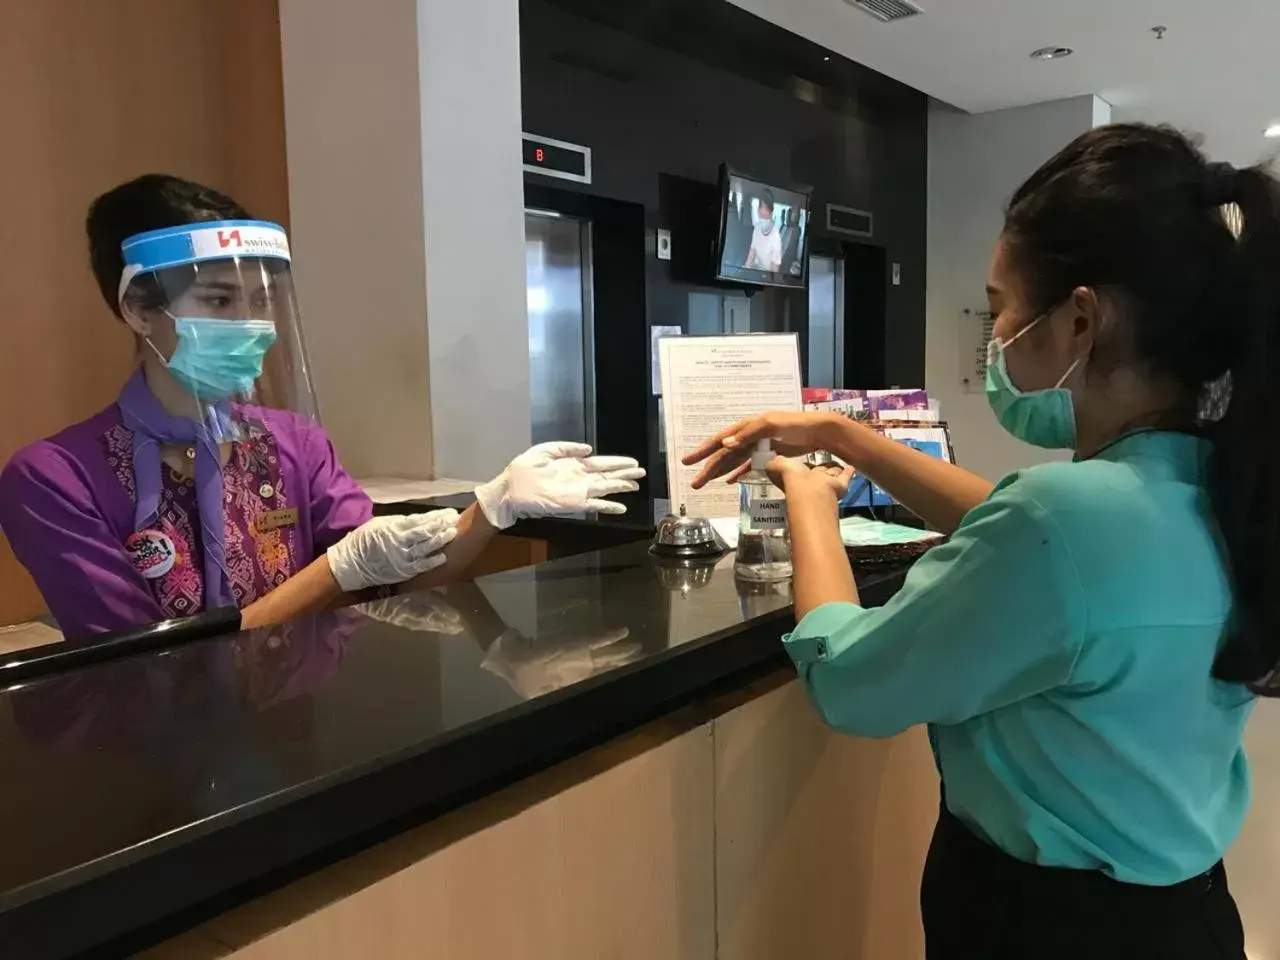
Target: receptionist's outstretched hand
(793,434)
(557,479)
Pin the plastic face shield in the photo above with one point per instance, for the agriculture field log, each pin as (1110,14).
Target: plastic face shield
(219,299)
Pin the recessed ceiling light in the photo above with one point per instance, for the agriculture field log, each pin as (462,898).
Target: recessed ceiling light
(1272,131)
(826,59)
(1051,53)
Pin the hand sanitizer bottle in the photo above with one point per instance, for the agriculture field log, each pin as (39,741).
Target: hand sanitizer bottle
(764,546)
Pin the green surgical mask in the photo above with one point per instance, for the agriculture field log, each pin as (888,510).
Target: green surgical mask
(216,358)
(1042,418)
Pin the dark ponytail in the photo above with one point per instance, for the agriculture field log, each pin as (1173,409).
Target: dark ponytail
(1137,212)
(1244,477)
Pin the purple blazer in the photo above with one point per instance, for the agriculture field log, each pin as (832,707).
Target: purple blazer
(67,508)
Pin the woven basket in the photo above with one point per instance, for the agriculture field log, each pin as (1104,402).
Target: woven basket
(891,553)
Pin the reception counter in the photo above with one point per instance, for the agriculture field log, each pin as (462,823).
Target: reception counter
(548,538)
(593,756)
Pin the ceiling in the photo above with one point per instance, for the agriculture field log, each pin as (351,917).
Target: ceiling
(1216,72)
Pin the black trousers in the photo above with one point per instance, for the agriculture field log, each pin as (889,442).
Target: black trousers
(979,903)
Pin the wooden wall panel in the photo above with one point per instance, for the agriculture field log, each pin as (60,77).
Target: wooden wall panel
(609,855)
(92,94)
(741,829)
(820,838)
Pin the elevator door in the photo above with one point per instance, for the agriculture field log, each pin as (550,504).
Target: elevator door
(826,322)
(557,251)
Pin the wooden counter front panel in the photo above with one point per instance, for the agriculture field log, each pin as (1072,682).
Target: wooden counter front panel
(756,835)
(617,865)
(820,838)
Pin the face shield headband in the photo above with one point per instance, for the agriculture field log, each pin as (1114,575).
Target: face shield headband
(199,242)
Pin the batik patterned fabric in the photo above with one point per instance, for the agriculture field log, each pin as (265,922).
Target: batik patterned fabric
(258,559)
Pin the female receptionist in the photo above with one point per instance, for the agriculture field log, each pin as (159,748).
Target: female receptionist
(208,483)
(1087,646)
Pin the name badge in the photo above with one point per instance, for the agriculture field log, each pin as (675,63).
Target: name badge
(275,519)
(151,553)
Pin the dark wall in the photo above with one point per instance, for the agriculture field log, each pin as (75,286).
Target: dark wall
(663,92)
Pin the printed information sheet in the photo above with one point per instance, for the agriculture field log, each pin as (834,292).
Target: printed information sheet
(709,383)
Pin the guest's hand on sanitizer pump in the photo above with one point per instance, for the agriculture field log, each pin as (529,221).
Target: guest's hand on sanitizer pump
(727,454)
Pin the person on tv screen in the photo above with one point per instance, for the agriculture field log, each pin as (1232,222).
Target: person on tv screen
(766,242)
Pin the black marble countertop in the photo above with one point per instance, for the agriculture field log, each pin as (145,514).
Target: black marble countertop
(146,793)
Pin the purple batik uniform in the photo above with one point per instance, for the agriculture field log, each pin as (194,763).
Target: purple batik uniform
(67,507)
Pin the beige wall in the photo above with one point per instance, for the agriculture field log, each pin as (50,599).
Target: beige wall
(473,197)
(403,122)
(1253,858)
(976,162)
(92,94)
(355,182)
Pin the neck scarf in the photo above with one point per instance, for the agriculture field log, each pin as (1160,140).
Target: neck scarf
(153,427)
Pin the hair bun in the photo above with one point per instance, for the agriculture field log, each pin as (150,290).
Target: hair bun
(1220,184)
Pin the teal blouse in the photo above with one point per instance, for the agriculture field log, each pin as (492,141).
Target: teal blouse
(1061,646)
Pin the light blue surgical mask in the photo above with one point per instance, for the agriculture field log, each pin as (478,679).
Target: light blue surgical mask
(1042,418)
(216,359)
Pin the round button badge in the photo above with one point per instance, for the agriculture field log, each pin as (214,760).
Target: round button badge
(151,553)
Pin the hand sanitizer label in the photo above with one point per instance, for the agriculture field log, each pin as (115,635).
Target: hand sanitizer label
(768,514)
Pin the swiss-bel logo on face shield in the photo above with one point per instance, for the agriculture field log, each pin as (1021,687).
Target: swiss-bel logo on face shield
(239,241)
(260,243)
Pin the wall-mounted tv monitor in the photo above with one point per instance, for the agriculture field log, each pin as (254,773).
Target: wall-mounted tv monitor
(764,232)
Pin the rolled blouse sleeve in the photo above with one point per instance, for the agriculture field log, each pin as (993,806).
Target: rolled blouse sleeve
(338,504)
(993,616)
(51,517)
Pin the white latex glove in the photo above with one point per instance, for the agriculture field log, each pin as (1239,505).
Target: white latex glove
(392,549)
(555,480)
(537,667)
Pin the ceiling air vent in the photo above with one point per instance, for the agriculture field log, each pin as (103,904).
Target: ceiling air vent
(887,11)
